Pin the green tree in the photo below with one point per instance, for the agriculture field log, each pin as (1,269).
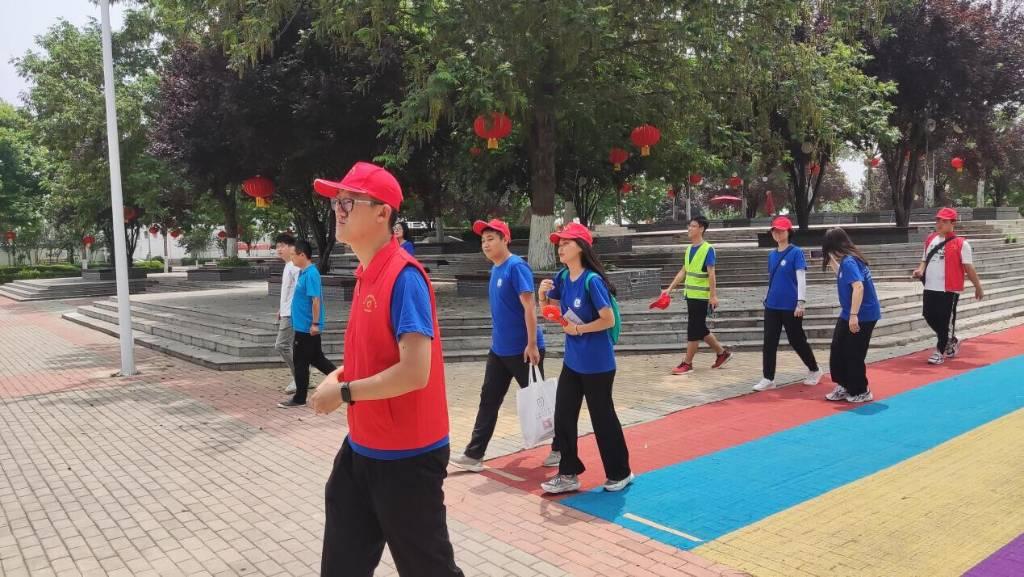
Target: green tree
(22,171)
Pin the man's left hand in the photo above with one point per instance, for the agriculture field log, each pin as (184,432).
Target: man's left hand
(327,397)
(714,302)
(532,354)
(978,293)
(314,330)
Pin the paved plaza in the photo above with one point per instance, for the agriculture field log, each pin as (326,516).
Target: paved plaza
(183,470)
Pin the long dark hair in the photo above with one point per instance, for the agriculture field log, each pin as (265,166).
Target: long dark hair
(588,258)
(405,232)
(838,243)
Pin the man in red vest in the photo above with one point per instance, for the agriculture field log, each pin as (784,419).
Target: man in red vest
(386,485)
(946,259)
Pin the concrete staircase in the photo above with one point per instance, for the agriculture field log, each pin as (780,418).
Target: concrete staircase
(64,288)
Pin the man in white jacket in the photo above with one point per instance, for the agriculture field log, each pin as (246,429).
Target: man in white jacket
(289,277)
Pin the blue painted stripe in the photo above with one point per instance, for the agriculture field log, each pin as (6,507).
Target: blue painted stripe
(719,493)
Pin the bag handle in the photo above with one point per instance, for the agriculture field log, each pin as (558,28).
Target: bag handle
(535,375)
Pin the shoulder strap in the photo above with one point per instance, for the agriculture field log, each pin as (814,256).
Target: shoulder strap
(935,250)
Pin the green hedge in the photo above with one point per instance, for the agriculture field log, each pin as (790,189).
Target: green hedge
(149,265)
(12,273)
(232,262)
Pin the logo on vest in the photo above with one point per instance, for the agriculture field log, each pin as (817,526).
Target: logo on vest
(783,263)
(577,303)
(499,282)
(369,304)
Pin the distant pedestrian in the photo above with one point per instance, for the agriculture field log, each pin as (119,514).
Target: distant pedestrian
(405,240)
(584,296)
(946,259)
(308,321)
(285,244)
(860,311)
(700,288)
(784,306)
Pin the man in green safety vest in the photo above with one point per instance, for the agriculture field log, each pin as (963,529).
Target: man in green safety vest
(701,293)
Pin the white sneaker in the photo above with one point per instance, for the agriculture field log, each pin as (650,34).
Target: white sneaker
(936,359)
(561,484)
(838,394)
(864,397)
(553,459)
(813,378)
(467,463)
(764,385)
(290,389)
(614,486)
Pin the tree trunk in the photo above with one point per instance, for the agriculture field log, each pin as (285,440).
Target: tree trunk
(541,149)
(980,195)
(230,205)
(439,229)
(569,214)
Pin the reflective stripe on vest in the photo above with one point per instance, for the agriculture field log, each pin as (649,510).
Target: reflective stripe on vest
(698,284)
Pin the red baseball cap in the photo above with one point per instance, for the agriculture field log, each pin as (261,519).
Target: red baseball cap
(499,225)
(572,230)
(364,178)
(782,223)
(947,213)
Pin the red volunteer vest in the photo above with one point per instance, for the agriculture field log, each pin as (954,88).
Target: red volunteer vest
(414,420)
(954,266)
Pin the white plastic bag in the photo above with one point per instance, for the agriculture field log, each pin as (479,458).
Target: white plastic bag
(537,409)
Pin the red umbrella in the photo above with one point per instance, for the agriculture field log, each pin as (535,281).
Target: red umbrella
(726,199)
(769,203)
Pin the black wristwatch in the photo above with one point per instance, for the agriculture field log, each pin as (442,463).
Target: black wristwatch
(346,393)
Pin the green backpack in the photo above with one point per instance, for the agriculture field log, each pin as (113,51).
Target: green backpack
(616,330)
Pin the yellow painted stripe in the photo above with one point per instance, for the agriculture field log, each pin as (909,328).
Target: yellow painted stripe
(937,514)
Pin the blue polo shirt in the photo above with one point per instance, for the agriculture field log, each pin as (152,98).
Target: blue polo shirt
(409,247)
(509,280)
(306,289)
(410,305)
(782,267)
(588,353)
(852,270)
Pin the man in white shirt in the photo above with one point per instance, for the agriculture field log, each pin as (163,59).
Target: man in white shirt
(946,259)
(289,277)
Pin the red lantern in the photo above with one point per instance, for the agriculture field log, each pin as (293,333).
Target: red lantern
(626,188)
(476,151)
(10,236)
(260,188)
(957,163)
(815,168)
(671,192)
(175,233)
(735,181)
(130,213)
(88,240)
(496,127)
(154,230)
(222,235)
(644,137)
(696,178)
(875,161)
(617,156)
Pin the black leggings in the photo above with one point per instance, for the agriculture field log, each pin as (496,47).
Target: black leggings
(774,321)
(846,359)
(573,387)
(939,311)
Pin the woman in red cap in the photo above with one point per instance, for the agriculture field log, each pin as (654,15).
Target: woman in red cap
(784,306)
(944,262)
(584,295)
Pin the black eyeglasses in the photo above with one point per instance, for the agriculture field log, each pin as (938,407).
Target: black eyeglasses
(348,203)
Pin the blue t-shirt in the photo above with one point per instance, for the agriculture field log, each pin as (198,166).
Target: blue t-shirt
(409,247)
(782,294)
(410,304)
(852,270)
(509,280)
(306,289)
(588,353)
(709,261)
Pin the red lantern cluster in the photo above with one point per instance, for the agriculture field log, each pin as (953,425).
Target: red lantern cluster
(874,161)
(735,181)
(493,128)
(815,168)
(260,188)
(222,235)
(617,156)
(671,192)
(10,236)
(130,213)
(626,188)
(88,240)
(696,178)
(476,151)
(957,163)
(176,233)
(644,137)
(154,230)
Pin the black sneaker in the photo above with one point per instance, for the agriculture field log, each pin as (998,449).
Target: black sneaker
(290,403)
(953,348)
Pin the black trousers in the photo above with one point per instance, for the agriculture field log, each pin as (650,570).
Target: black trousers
(774,321)
(846,359)
(939,311)
(306,351)
(573,387)
(497,378)
(401,503)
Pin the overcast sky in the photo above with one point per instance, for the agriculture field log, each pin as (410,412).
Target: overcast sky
(22,20)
